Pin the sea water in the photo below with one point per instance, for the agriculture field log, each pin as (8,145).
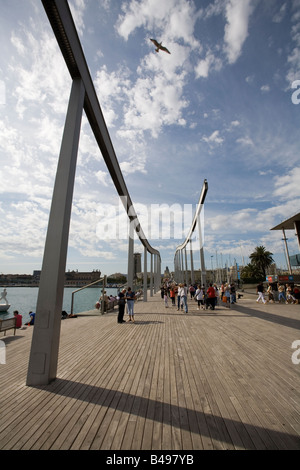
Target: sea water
(24,300)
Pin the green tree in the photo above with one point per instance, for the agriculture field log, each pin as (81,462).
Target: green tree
(250,272)
(261,259)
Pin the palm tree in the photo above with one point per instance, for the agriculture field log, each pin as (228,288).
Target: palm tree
(250,272)
(261,259)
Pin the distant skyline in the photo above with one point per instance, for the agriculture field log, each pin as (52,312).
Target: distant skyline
(223,106)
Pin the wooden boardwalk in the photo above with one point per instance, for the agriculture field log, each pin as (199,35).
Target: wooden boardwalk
(174,381)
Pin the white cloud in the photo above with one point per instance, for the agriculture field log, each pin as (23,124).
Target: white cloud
(41,81)
(171,19)
(23,163)
(142,104)
(240,220)
(249,79)
(265,88)
(293,59)
(288,186)
(236,29)
(267,172)
(249,221)
(208,64)
(246,141)
(214,138)
(77,8)
(278,17)
(18,44)
(155,102)
(112,88)
(102,177)
(25,223)
(156,98)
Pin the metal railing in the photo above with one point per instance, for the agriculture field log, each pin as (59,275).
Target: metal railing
(123,286)
(103,279)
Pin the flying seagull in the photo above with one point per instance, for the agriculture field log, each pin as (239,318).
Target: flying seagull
(159,46)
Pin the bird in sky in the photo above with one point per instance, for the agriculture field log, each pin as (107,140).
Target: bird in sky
(159,46)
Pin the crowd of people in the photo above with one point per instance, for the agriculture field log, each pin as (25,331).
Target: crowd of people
(209,297)
(124,297)
(206,297)
(109,300)
(178,293)
(278,292)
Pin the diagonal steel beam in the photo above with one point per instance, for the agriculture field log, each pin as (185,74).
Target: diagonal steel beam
(63,26)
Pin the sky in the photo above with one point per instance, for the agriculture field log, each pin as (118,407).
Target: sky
(222,106)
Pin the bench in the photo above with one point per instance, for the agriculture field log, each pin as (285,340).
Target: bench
(8,324)
(108,306)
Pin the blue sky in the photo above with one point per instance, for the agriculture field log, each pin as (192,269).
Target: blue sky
(219,107)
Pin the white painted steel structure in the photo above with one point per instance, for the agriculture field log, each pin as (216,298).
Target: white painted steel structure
(45,341)
(180,258)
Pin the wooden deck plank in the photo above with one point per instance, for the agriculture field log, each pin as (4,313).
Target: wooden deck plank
(173,381)
(247,385)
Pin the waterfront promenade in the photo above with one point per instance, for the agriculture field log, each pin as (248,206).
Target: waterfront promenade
(202,380)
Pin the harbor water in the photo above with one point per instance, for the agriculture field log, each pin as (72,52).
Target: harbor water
(24,300)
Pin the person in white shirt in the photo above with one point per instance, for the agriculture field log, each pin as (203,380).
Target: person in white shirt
(183,297)
(200,298)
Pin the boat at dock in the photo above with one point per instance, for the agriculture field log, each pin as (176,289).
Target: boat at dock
(4,307)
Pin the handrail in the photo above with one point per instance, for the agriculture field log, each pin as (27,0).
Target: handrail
(126,285)
(122,286)
(84,287)
(63,26)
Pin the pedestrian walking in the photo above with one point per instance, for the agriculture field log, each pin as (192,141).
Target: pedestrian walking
(281,293)
(260,291)
(183,297)
(200,298)
(130,298)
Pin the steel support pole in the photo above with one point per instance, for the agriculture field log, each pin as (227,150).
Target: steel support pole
(45,340)
(287,252)
(155,273)
(130,254)
(175,266)
(202,262)
(192,264)
(145,275)
(297,230)
(159,272)
(151,275)
(186,266)
(182,266)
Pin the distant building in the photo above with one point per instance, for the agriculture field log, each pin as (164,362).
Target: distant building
(80,279)
(167,272)
(18,280)
(72,279)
